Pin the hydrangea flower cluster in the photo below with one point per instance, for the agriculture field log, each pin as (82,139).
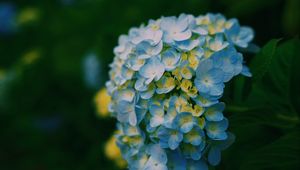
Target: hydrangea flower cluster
(166,81)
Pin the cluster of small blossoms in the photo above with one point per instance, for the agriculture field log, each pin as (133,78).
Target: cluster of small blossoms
(166,81)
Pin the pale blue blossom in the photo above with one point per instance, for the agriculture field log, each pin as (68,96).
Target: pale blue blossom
(134,63)
(166,80)
(214,112)
(157,112)
(229,61)
(124,48)
(187,45)
(184,122)
(126,113)
(150,35)
(175,29)
(169,138)
(171,113)
(217,43)
(217,130)
(193,152)
(140,84)
(195,137)
(239,36)
(147,94)
(152,70)
(157,159)
(176,161)
(209,79)
(145,50)
(170,58)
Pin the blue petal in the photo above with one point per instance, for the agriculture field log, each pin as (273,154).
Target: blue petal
(153,69)
(195,136)
(214,156)
(245,35)
(246,71)
(157,153)
(216,130)
(170,116)
(176,161)
(174,140)
(170,59)
(140,84)
(224,144)
(214,113)
(217,43)
(187,45)
(201,30)
(184,121)
(217,89)
(216,75)
(126,111)
(204,67)
(148,93)
(156,120)
(173,143)
(156,110)
(223,125)
(125,95)
(132,119)
(206,100)
(134,63)
(196,156)
(186,127)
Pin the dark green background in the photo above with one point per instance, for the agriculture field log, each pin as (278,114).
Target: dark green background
(48,119)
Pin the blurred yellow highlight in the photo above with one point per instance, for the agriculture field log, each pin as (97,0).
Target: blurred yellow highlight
(28,15)
(31,56)
(102,100)
(112,152)
(2,74)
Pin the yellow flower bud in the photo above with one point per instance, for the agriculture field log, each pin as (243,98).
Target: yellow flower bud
(187,108)
(102,100)
(193,60)
(186,85)
(198,111)
(176,73)
(184,56)
(112,152)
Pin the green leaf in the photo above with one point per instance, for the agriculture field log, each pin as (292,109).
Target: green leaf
(266,127)
(249,137)
(295,77)
(261,62)
(276,81)
(280,154)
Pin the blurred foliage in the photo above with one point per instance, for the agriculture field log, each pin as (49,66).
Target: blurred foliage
(48,118)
